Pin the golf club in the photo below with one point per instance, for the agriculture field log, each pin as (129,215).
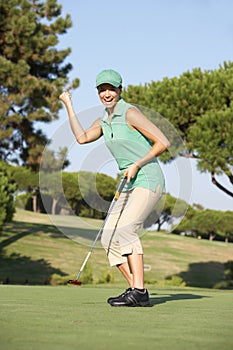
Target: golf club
(117,194)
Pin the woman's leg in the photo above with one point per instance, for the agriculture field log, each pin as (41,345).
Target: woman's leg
(133,270)
(140,204)
(126,272)
(136,264)
(119,237)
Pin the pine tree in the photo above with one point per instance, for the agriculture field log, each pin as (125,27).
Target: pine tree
(32,75)
(199,105)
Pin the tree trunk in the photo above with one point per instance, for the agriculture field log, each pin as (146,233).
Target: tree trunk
(211,237)
(54,205)
(34,203)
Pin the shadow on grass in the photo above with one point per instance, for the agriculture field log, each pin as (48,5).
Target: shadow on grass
(181,296)
(203,274)
(19,269)
(19,230)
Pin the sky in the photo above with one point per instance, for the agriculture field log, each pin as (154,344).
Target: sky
(144,41)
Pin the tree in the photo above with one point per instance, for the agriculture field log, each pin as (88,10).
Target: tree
(205,223)
(32,75)
(25,180)
(167,210)
(208,223)
(72,194)
(88,194)
(7,190)
(50,180)
(225,226)
(199,104)
(212,139)
(97,191)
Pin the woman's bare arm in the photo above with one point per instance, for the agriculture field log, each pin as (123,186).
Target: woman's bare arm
(82,136)
(160,143)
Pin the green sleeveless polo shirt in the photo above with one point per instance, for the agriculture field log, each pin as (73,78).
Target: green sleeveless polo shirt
(127,146)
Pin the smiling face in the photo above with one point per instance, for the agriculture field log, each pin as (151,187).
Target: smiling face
(109,95)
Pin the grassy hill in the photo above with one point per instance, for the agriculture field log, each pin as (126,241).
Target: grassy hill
(32,249)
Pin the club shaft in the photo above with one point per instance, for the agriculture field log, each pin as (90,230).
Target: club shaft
(117,194)
(83,265)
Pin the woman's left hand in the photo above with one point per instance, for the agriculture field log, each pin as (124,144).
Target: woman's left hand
(131,171)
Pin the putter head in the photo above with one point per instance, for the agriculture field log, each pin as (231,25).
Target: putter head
(75,282)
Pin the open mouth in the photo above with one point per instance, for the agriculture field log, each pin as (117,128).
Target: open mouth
(108,101)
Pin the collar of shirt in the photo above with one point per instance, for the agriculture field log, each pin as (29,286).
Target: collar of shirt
(118,111)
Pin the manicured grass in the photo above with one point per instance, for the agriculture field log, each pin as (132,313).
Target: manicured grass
(70,317)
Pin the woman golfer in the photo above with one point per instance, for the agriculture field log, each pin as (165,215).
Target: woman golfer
(134,142)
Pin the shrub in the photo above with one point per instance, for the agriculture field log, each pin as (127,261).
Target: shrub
(7,207)
(58,280)
(106,277)
(176,281)
(228,282)
(87,276)
(22,200)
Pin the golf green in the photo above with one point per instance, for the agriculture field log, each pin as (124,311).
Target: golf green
(70,317)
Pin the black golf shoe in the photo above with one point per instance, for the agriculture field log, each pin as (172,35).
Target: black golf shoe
(131,298)
(120,297)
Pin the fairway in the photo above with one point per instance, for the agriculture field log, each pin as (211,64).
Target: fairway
(68,317)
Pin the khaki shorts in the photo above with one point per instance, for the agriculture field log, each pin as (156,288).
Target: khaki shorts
(119,237)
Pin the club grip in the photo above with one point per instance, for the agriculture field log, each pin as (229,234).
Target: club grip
(120,188)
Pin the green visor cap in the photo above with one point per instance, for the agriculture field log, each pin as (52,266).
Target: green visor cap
(109,76)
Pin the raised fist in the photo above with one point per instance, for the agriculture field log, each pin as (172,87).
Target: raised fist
(65,97)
